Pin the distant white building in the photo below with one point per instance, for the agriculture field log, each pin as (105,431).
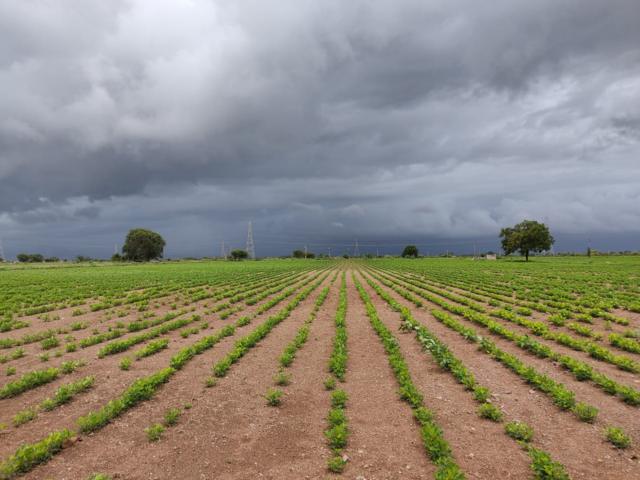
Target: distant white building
(491,256)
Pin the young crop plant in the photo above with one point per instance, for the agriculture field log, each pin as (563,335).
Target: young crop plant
(78,326)
(154,432)
(171,417)
(28,455)
(337,433)
(125,363)
(29,381)
(139,391)
(210,382)
(544,468)
(273,397)
(152,348)
(24,416)
(490,412)
(49,343)
(586,413)
(17,353)
(65,393)
(519,431)
(330,383)
(289,353)
(617,437)
(282,378)
(99,476)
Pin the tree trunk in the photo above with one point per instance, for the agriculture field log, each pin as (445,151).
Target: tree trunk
(526,255)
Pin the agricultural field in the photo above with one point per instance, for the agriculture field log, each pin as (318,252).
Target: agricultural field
(389,368)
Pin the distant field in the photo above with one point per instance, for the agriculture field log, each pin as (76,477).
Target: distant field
(386,368)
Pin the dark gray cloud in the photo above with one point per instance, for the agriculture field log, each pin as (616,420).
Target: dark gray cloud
(321,121)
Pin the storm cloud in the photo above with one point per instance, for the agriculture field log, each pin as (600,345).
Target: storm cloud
(323,122)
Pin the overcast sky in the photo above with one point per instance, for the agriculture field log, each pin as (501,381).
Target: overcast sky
(436,122)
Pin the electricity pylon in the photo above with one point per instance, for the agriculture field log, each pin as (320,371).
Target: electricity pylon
(251,251)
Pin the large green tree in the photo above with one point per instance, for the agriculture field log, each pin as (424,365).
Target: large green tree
(143,245)
(525,237)
(410,251)
(239,254)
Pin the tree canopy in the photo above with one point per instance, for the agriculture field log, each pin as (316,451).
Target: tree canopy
(410,251)
(143,245)
(525,237)
(239,254)
(30,257)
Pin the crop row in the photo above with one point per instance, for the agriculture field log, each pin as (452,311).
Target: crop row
(29,455)
(580,370)
(542,464)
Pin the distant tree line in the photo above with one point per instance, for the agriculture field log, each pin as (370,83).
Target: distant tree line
(35,258)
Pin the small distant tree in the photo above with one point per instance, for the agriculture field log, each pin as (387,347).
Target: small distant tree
(143,245)
(302,254)
(410,251)
(116,257)
(239,254)
(526,237)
